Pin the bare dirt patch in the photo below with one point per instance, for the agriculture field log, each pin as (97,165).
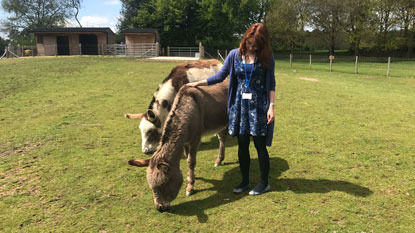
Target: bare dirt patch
(9,150)
(19,150)
(309,79)
(20,180)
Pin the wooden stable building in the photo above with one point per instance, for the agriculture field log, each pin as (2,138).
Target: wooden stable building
(141,36)
(143,42)
(72,41)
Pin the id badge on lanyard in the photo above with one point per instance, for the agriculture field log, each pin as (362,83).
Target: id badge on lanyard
(247,95)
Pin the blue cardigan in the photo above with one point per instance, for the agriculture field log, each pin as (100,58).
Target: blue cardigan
(228,69)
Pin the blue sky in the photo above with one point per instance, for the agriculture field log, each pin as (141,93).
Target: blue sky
(93,13)
(99,13)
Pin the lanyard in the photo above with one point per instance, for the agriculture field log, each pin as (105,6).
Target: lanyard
(248,82)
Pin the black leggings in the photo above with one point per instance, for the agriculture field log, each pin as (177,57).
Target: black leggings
(244,158)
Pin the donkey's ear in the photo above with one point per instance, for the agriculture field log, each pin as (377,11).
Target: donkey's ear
(138,116)
(139,162)
(163,166)
(151,116)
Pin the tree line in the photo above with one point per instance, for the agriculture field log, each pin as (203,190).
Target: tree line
(217,23)
(25,15)
(374,27)
(362,27)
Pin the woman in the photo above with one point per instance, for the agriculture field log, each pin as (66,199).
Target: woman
(250,100)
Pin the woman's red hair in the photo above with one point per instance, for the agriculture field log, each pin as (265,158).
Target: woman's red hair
(260,34)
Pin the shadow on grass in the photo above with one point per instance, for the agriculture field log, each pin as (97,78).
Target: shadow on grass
(232,178)
(213,143)
(319,186)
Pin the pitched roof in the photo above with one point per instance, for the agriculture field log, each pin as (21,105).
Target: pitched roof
(73,29)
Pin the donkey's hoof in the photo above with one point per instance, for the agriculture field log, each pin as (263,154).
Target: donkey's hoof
(189,193)
(217,164)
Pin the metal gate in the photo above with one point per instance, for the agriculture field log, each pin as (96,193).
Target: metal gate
(136,50)
(141,50)
(183,51)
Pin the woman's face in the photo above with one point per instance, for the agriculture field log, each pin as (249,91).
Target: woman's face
(250,45)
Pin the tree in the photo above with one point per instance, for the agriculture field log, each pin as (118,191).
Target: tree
(286,21)
(225,21)
(128,12)
(385,21)
(30,14)
(405,16)
(76,4)
(218,18)
(358,18)
(328,17)
(177,20)
(27,14)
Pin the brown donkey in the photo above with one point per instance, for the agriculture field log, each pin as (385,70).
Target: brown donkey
(195,111)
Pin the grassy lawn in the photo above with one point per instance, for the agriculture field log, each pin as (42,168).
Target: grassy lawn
(342,159)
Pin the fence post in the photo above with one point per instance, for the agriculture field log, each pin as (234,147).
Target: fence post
(157,49)
(291,60)
(356,65)
(389,67)
(310,61)
(56,50)
(80,49)
(168,51)
(201,51)
(33,51)
(331,63)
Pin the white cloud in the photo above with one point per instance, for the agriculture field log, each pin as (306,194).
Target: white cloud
(94,21)
(114,2)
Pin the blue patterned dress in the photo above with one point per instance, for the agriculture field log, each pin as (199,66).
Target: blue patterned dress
(249,116)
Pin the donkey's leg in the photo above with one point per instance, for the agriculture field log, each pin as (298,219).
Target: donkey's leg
(191,161)
(186,151)
(222,139)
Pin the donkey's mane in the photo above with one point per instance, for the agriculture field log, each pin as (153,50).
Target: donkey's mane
(184,92)
(179,71)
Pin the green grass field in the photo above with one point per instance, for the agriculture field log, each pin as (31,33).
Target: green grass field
(342,159)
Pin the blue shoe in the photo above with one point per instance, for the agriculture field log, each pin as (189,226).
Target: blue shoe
(240,188)
(260,189)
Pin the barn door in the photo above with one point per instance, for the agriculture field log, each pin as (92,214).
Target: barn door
(89,43)
(63,45)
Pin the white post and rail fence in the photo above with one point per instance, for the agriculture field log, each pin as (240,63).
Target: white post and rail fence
(331,62)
